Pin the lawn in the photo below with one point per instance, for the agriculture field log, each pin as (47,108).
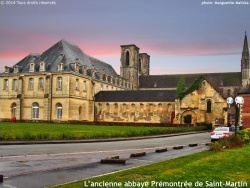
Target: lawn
(230,168)
(53,131)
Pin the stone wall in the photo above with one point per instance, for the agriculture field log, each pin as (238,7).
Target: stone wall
(148,112)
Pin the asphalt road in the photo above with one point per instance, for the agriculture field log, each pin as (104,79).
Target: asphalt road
(49,164)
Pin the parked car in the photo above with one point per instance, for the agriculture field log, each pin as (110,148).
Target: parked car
(220,132)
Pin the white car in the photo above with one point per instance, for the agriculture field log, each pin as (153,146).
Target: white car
(220,132)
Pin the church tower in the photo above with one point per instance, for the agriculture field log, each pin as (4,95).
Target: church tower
(143,66)
(130,64)
(245,63)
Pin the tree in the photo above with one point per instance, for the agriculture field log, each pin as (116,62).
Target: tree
(180,86)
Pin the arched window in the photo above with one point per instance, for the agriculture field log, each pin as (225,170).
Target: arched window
(59,111)
(13,110)
(209,106)
(139,65)
(35,110)
(127,59)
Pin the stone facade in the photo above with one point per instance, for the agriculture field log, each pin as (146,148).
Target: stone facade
(202,105)
(53,96)
(138,112)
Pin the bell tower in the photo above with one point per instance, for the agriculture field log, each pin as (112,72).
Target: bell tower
(129,64)
(143,66)
(245,63)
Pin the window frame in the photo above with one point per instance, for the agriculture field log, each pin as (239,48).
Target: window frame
(31,84)
(59,111)
(35,111)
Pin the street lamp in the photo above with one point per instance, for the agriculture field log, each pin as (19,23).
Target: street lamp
(239,101)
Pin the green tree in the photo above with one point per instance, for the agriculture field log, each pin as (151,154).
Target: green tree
(180,86)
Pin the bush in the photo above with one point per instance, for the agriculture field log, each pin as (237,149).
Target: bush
(244,134)
(207,125)
(227,143)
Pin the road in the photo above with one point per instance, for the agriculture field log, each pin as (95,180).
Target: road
(28,165)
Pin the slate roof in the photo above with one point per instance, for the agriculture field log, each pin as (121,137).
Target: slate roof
(171,81)
(67,53)
(136,96)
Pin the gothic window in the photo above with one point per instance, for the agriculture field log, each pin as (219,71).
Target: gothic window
(35,110)
(59,83)
(14,84)
(59,111)
(13,110)
(127,59)
(31,83)
(6,84)
(116,109)
(209,106)
(41,83)
(139,65)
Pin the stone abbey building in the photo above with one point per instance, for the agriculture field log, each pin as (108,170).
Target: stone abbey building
(65,84)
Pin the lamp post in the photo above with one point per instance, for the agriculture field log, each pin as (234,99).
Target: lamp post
(238,101)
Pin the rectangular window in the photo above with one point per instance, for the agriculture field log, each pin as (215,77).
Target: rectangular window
(77,84)
(14,84)
(84,86)
(6,84)
(41,83)
(31,83)
(59,83)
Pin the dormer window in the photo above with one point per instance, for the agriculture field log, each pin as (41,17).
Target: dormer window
(77,67)
(32,67)
(85,70)
(106,78)
(42,66)
(16,69)
(7,69)
(60,66)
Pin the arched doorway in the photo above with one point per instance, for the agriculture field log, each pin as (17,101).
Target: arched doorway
(188,117)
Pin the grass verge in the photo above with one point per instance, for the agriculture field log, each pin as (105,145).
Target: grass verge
(230,168)
(52,131)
